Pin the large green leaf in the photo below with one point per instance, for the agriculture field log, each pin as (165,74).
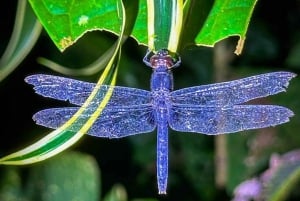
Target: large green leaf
(227,18)
(158,24)
(66,21)
(164,24)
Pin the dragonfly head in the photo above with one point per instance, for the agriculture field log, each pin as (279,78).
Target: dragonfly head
(162,58)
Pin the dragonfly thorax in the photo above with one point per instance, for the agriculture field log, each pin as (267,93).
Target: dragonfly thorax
(162,79)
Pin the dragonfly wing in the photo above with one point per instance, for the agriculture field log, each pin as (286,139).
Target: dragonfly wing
(218,120)
(114,122)
(234,92)
(77,92)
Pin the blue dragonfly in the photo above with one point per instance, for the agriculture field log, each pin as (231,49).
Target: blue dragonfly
(207,109)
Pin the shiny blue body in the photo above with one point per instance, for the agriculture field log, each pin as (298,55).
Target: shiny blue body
(208,109)
(161,87)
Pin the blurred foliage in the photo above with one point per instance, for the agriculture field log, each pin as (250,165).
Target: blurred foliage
(25,33)
(68,176)
(56,179)
(276,183)
(272,44)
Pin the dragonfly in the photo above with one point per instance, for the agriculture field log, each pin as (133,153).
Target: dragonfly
(206,109)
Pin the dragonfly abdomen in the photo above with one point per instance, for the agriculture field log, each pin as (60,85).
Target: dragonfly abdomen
(162,149)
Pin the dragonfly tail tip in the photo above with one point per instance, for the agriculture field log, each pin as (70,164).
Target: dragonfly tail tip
(162,192)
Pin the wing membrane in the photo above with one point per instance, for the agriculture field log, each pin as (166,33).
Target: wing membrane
(114,122)
(78,91)
(234,92)
(218,120)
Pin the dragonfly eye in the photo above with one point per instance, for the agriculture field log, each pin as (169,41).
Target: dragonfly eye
(161,58)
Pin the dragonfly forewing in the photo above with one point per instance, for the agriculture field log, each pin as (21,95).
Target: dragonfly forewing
(76,92)
(234,92)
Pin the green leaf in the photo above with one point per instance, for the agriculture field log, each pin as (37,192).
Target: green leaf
(66,21)
(139,31)
(164,24)
(227,18)
(26,31)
